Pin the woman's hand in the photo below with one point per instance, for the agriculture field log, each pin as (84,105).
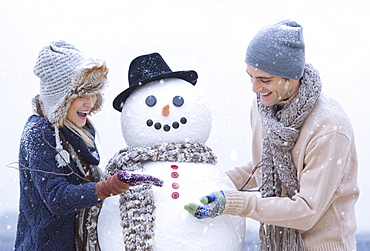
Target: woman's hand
(134,179)
(121,181)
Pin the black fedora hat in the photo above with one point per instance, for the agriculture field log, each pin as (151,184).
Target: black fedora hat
(148,68)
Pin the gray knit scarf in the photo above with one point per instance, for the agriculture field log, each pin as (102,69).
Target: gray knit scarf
(278,170)
(137,203)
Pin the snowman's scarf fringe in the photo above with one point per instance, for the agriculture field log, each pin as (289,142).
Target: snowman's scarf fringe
(282,131)
(137,203)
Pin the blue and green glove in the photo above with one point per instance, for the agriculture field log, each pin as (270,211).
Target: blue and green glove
(213,205)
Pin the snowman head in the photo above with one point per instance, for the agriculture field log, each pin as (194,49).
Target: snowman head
(165,111)
(162,106)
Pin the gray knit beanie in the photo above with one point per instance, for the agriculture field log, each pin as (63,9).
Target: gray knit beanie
(55,66)
(279,50)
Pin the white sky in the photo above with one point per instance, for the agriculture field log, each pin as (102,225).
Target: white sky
(209,36)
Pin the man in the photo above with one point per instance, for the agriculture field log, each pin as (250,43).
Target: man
(304,160)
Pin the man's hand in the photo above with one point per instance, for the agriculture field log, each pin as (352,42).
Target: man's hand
(213,205)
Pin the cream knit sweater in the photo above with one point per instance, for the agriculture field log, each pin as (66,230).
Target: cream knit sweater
(326,161)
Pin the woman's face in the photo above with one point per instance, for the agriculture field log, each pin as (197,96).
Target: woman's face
(80,108)
(272,89)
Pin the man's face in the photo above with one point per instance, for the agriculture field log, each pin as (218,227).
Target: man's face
(272,89)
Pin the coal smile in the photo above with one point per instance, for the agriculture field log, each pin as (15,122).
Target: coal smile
(166,127)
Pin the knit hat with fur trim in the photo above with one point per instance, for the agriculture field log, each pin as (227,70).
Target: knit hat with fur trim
(65,75)
(278,49)
(55,67)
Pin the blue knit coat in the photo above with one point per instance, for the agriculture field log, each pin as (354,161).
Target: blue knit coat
(49,196)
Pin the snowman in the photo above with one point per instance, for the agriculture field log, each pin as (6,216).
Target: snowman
(165,122)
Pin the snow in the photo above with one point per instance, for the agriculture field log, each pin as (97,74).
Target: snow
(192,180)
(195,109)
(207,36)
(174,227)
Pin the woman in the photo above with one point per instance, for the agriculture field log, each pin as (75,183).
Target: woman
(60,182)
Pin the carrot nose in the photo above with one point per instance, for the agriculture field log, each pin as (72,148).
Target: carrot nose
(166,110)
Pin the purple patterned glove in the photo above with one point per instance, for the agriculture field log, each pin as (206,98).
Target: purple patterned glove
(134,179)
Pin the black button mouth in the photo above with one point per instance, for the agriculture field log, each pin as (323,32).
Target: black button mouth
(166,127)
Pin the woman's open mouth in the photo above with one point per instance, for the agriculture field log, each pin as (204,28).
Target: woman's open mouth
(82,114)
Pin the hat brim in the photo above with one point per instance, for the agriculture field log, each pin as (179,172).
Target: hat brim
(189,76)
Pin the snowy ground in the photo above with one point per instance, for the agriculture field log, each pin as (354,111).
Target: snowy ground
(208,36)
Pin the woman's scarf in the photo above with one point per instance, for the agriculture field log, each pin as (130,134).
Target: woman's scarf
(278,170)
(86,159)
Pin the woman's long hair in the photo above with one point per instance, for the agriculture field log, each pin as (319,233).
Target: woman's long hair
(83,133)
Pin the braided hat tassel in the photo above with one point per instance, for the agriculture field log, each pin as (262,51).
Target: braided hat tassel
(62,156)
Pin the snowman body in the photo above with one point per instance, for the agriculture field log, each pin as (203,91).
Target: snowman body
(175,228)
(179,114)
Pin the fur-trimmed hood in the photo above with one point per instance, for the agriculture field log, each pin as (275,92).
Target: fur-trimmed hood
(90,78)
(65,74)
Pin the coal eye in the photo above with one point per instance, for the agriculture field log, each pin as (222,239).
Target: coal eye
(178,101)
(150,101)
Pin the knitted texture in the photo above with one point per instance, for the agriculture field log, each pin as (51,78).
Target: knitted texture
(135,179)
(87,160)
(50,196)
(90,78)
(278,170)
(121,181)
(64,76)
(137,204)
(53,199)
(278,49)
(213,205)
(55,66)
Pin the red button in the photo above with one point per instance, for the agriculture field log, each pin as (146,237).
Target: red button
(175,185)
(174,167)
(175,195)
(174,175)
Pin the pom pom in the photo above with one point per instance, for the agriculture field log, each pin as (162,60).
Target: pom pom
(62,158)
